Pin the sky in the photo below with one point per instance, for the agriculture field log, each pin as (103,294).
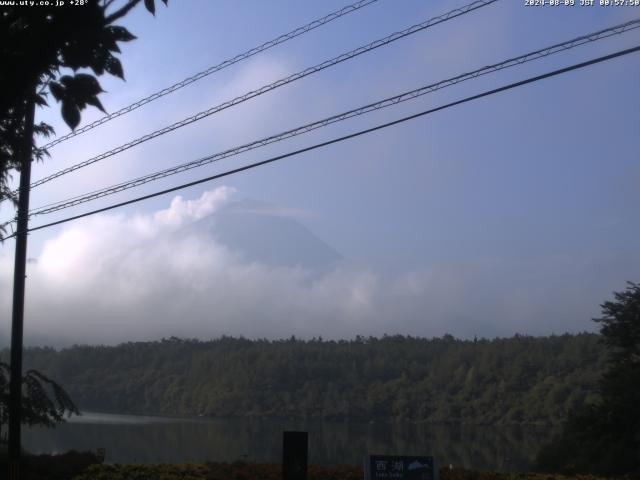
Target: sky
(515,213)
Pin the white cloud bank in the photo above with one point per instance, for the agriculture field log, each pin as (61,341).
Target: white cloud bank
(180,210)
(113,278)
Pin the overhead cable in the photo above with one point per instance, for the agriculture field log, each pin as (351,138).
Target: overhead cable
(544,52)
(216,68)
(345,137)
(272,86)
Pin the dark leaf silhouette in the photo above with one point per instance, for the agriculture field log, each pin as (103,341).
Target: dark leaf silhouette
(43,129)
(120,34)
(85,84)
(114,67)
(44,402)
(96,103)
(70,113)
(83,38)
(36,45)
(41,101)
(151,6)
(57,90)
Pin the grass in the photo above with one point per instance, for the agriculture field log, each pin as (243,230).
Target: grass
(261,471)
(86,466)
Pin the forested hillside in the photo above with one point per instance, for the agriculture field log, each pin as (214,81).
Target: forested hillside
(516,380)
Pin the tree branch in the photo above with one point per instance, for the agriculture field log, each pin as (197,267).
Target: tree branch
(122,12)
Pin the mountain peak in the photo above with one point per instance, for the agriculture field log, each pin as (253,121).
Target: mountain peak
(264,233)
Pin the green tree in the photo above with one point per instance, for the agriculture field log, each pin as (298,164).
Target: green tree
(603,437)
(37,45)
(44,402)
(378,379)
(47,49)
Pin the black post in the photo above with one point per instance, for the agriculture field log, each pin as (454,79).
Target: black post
(295,449)
(19,274)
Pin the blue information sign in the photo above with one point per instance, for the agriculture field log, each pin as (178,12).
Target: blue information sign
(400,467)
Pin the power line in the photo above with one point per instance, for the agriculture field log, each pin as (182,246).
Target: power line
(216,68)
(544,52)
(346,137)
(272,86)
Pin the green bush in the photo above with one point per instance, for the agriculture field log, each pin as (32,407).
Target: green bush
(261,471)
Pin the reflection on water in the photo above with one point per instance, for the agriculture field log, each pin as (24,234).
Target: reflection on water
(129,438)
(94,418)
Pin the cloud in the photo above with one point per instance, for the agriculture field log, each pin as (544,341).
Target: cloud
(114,278)
(180,210)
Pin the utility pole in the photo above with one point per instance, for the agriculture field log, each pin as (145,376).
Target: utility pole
(19,275)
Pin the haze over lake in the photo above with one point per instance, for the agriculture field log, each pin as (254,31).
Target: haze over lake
(143,439)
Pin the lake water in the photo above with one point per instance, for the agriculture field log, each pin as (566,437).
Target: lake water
(138,439)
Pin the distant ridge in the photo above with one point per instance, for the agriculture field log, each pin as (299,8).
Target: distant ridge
(517,380)
(260,232)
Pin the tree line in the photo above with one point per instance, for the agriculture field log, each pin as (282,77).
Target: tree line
(603,436)
(514,380)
